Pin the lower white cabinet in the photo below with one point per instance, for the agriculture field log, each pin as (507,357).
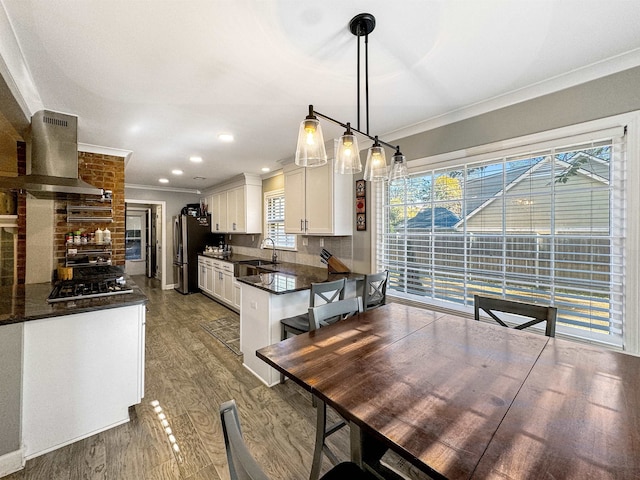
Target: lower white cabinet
(205,274)
(220,283)
(81,373)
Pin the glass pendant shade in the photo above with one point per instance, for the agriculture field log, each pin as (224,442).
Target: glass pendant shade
(348,154)
(399,170)
(310,151)
(376,167)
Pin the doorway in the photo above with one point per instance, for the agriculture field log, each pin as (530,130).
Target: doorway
(138,242)
(143,222)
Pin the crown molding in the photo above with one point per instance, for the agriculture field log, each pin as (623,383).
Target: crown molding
(157,188)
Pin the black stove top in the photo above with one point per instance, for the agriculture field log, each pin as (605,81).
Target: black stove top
(91,287)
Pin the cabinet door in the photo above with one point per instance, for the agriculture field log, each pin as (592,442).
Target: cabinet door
(236,210)
(218,284)
(294,182)
(227,287)
(208,286)
(236,294)
(319,199)
(214,208)
(202,275)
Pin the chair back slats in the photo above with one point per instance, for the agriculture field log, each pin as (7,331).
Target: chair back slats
(329,313)
(327,292)
(242,465)
(538,313)
(374,293)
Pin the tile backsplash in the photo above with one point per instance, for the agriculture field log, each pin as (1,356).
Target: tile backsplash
(340,247)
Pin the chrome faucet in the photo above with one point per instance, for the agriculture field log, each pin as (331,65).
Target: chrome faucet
(274,256)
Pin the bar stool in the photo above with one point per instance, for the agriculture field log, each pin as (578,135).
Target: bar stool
(320,293)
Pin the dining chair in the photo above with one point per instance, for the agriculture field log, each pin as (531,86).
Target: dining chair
(319,293)
(374,290)
(538,313)
(329,313)
(242,465)
(322,316)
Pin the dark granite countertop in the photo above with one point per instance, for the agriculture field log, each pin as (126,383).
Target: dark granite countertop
(21,303)
(291,277)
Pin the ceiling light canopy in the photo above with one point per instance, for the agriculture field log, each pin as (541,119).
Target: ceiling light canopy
(310,151)
(177,171)
(225,137)
(196,159)
(163,180)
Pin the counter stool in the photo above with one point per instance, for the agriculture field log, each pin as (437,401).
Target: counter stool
(320,293)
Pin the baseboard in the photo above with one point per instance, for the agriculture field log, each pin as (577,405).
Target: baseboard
(11,462)
(169,286)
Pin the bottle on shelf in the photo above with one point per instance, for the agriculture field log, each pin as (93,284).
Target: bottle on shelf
(99,235)
(107,236)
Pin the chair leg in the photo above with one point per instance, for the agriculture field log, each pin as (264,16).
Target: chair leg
(322,432)
(321,418)
(283,336)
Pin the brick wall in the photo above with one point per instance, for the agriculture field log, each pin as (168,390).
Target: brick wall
(102,171)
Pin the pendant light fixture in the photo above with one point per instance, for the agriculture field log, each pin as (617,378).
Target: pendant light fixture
(310,151)
(398,167)
(348,153)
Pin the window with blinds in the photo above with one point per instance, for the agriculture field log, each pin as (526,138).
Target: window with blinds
(274,220)
(544,225)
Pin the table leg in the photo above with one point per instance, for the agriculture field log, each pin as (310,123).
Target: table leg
(355,440)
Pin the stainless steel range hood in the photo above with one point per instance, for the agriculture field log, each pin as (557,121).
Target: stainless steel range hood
(52,158)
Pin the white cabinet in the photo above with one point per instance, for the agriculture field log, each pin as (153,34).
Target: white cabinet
(81,373)
(237,206)
(222,285)
(318,201)
(205,274)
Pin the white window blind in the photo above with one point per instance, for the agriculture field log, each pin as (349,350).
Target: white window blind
(543,225)
(274,219)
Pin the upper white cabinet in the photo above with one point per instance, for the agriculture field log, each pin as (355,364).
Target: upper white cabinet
(318,201)
(236,207)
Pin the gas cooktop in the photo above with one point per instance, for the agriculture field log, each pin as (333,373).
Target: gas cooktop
(79,289)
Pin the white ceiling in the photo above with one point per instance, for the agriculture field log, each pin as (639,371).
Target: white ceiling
(162,78)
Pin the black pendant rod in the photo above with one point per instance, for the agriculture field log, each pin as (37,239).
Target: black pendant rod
(366,76)
(337,122)
(358,83)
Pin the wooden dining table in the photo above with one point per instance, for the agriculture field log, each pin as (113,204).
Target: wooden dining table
(462,399)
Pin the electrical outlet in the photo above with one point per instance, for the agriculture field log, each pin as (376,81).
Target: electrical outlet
(253,238)
(322,242)
(305,242)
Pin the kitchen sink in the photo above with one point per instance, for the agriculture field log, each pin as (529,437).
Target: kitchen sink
(258,262)
(253,267)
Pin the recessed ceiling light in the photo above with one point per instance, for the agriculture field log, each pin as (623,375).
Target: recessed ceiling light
(225,137)
(177,172)
(163,180)
(266,169)
(196,159)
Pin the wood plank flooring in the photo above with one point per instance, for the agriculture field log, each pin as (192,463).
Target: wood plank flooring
(175,432)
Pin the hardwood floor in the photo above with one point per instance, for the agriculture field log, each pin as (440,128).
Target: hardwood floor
(175,432)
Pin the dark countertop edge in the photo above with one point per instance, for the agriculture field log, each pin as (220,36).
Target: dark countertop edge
(92,306)
(233,258)
(305,280)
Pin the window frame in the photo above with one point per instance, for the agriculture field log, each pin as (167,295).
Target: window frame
(573,134)
(278,193)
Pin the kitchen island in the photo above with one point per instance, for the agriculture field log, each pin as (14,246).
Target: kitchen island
(279,291)
(73,369)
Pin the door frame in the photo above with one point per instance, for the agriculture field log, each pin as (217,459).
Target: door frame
(163,237)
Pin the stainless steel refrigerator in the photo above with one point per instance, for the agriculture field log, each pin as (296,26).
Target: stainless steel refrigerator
(190,236)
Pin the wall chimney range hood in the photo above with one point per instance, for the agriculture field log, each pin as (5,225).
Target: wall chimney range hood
(52,158)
